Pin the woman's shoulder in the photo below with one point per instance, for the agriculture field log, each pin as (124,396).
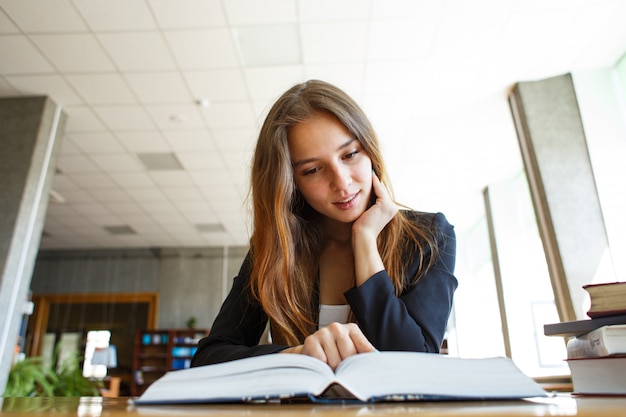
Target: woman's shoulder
(430,220)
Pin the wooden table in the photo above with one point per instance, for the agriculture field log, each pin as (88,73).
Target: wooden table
(560,405)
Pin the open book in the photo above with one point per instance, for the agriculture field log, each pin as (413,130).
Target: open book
(367,377)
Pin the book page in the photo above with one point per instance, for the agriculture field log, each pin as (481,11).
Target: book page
(251,379)
(402,375)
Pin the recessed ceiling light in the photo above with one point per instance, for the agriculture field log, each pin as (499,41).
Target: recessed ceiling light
(205,103)
(178,118)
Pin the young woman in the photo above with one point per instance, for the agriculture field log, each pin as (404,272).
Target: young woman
(334,265)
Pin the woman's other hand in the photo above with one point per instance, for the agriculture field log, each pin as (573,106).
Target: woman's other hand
(365,230)
(375,218)
(334,343)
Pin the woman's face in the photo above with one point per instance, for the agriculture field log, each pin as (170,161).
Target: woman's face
(331,169)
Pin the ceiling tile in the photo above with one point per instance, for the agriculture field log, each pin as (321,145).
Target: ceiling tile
(126,210)
(384,9)
(340,42)
(185,193)
(227,115)
(481,32)
(82,119)
(182,14)
(235,139)
(62,182)
(25,59)
(77,195)
(198,161)
(208,178)
(157,88)
(176,116)
(271,82)
(238,164)
(106,16)
(93,180)
(193,206)
(171,178)
(145,51)
(102,88)
(6,25)
(53,86)
(96,142)
(125,117)
(117,162)
(132,180)
(329,10)
(112,195)
(251,40)
(68,147)
(7,90)
(195,140)
(203,49)
(399,39)
(63,50)
(76,164)
(199,216)
(217,85)
(47,16)
(250,12)
(148,141)
(348,77)
(147,197)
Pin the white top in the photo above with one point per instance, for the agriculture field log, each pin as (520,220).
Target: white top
(333,313)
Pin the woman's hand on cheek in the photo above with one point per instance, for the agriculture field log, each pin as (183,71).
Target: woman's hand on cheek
(374,219)
(334,343)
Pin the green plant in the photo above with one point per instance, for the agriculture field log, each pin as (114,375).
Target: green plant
(191,323)
(32,377)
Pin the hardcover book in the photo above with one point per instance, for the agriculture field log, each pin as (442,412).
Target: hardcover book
(367,377)
(599,376)
(607,299)
(579,327)
(605,341)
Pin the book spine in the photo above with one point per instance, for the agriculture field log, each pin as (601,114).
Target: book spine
(588,345)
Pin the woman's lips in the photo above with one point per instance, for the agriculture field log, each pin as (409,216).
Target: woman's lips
(347,203)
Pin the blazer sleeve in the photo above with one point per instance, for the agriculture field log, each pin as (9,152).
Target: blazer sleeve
(237,328)
(417,319)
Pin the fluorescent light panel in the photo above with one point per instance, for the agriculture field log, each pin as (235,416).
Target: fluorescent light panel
(160,161)
(120,230)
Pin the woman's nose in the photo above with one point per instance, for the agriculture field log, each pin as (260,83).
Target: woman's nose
(341,178)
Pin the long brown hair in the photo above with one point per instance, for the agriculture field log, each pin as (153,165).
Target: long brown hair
(286,240)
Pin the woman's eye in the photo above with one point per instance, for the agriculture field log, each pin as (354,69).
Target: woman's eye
(350,155)
(310,171)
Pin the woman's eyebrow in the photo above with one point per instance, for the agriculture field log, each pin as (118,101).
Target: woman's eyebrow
(313,159)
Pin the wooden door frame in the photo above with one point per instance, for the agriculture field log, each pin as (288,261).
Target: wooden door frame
(42,303)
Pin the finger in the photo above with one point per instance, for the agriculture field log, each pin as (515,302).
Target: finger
(331,352)
(313,347)
(360,342)
(345,346)
(339,344)
(379,188)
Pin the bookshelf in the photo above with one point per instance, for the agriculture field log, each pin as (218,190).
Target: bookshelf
(162,350)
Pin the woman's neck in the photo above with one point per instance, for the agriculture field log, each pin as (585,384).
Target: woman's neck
(338,232)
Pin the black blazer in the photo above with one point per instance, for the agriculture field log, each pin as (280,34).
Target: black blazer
(414,321)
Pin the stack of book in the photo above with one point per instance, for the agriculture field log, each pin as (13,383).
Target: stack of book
(596,348)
